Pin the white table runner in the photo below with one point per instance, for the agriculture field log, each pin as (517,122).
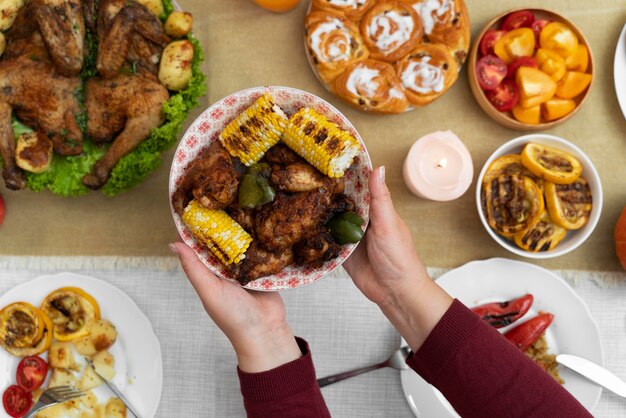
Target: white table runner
(344,330)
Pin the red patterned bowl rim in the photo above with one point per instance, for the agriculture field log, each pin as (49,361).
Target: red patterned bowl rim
(206,128)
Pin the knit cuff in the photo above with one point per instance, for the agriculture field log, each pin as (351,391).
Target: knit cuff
(443,343)
(283,381)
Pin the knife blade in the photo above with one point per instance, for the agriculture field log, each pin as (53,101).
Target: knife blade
(114,389)
(593,372)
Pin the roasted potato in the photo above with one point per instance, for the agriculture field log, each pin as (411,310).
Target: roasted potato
(61,377)
(115,408)
(3,43)
(104,363)
(102,336)
(155,6)
(175,69)
(89,380)
(60,356)
(33,152)
(178,24)
(8,12)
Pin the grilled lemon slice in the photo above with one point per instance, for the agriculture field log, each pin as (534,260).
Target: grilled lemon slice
(72,312)
(551,164)
(569,204)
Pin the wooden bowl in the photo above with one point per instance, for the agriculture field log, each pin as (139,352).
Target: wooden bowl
(506,118)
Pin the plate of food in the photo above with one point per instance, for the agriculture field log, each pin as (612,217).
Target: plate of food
(619,70)
(50,325)
(269,186)
(566,325)
(387,56)
(86,105)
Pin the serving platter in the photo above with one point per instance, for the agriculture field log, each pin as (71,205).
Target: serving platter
(574,331)
(207,128)
(137,351)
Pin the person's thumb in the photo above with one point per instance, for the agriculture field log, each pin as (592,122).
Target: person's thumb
(202,279)
(382,212)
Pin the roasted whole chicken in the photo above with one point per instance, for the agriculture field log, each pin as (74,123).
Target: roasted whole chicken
(41,83)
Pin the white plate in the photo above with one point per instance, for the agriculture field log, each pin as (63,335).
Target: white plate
(619,71)
(573,331)
(137,352)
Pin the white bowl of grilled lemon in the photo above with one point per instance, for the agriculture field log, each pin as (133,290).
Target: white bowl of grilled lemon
(539,196)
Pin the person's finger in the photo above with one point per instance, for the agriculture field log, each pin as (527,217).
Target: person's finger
(358,259)
(382,211)
(201,278)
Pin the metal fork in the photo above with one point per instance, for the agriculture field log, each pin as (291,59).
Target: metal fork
(53,396)
(397,360)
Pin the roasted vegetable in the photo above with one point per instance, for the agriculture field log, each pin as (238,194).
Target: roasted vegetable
(72,312)
(256,130)
(620,238)
(501,314)
(175,68)
(178,24)
(514,203)
(255,189)
(346,228)
(551,164)
(8,13)
(22,325)
(569,204)
(541,236)
(102,336)
(33,152)
(322,143)
(155,6)
(3,43)
(507,164)
(37,348)
(226,239)
(524,335)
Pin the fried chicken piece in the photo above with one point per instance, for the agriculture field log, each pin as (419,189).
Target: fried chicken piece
(41,98)
(128,31)
(281,154)
(316,249)
(244,217)
(259,263)
(303,177)
(124,109)
(61,25)
(291,217)
(211,179)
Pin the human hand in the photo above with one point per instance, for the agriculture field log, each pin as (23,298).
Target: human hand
(254,322)
(387,269)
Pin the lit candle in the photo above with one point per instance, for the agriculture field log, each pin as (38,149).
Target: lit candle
(438,167)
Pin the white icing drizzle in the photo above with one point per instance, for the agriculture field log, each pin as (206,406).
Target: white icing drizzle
(354,4)
(432,11)
(335,52)
(361,80)
(390,30)
(423,77)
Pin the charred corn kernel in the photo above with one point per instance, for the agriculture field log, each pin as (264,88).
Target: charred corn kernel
(226,239)
(322,143)
(253,132)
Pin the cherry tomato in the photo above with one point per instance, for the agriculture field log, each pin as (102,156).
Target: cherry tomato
(489,38)
(17,401)
(278,6)
(520,62)
(490,71)
(620,238)
(505,96)
(519,19)
(31,372)
(501,314)
(2,209)
(525,335)
(537,27)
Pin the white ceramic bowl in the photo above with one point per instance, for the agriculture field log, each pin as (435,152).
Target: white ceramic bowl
(207,128)
(573,238)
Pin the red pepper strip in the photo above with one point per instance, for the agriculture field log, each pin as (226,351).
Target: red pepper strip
(501,314)
(525,335)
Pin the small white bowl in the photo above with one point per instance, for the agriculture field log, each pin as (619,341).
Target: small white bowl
(573,238)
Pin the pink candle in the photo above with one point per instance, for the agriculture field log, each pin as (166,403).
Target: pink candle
(438,167)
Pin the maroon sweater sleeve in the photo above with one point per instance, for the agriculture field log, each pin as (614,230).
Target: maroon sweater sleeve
(483,375)
(290,390)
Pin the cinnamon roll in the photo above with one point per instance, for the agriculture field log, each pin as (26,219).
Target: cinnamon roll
(373,86)
(332,42)
(445,22)
(390,30)
(352,9)
(426,73)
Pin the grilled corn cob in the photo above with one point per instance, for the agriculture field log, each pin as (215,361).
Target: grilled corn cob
(322,143)
(254,131)
(226,239)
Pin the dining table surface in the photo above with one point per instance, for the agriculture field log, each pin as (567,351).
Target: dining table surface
(123,239)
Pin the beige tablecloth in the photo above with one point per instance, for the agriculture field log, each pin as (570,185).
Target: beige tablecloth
(246,47)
